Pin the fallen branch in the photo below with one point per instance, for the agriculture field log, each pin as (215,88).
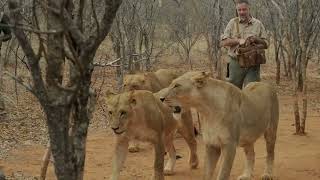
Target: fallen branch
(108,64)
(45,162)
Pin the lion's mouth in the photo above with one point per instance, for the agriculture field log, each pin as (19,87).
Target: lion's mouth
(118,133)
(176,109)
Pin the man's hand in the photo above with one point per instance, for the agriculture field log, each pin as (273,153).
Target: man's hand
(258,41)
(5,37)
(241,41)
(231,42)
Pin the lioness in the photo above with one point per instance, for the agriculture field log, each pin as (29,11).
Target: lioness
(154,82)
(151,81)
(230,117)
(142,116)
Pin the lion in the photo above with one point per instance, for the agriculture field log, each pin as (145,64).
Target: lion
(154,82)
(151,81)
(230,118)
(140,115)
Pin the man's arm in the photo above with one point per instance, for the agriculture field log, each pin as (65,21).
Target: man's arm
(231,42)
(6,30)
(259,42)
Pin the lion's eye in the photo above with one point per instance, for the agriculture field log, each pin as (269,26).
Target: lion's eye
(177,85)
(110,113)
(123,113)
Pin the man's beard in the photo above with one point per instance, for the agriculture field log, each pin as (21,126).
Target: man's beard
(244,18)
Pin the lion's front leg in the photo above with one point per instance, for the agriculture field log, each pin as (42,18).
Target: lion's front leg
(159,160)
(134,146)
(120,155)
(228,152)
(186,129)
(168,169)
(249,163)
(211,158)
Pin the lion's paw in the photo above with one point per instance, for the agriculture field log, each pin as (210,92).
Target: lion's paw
(134,149)
(244,177)
(267,177)
(168,172)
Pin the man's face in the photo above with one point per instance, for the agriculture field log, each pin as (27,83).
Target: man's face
(243,11)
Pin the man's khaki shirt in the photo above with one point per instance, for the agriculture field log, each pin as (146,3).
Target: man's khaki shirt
(253,28)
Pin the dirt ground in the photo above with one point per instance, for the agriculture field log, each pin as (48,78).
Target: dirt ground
(297,157)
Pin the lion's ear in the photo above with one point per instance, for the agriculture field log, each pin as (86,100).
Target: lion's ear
(147,74)
(201,80)
(206,74)
(132,99)
(109,93)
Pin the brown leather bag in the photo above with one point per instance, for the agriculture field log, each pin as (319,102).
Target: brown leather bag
(251,54)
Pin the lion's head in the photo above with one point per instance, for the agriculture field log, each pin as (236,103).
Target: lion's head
(138,82)
(184,87)
(120,111)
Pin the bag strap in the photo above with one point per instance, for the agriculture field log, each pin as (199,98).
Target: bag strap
(1,16)
(238,32)
(237,27)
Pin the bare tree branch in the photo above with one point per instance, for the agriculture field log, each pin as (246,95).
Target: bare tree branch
(21,82)
(108,64)
(25,28)
(278,8)
(32,59)
(95,17)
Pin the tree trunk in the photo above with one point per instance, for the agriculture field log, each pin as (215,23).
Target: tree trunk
(301,55)
(81,125)
(304,94)
(2,104)
(290,73)
(60,142)
(304,109)
(61,103)
(296,112)
(188,59)
(318,56)
(285,67)
(291,63)
(296,99)
(276,54)
(57,109)
(210,53)
(300,80)
(147,51)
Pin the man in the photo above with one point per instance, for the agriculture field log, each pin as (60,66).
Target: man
(4,29)
(2,177)
(5,35)
(238,30)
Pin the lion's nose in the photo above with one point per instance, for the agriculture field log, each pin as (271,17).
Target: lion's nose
(162,99)
(177,109)
(114,129)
